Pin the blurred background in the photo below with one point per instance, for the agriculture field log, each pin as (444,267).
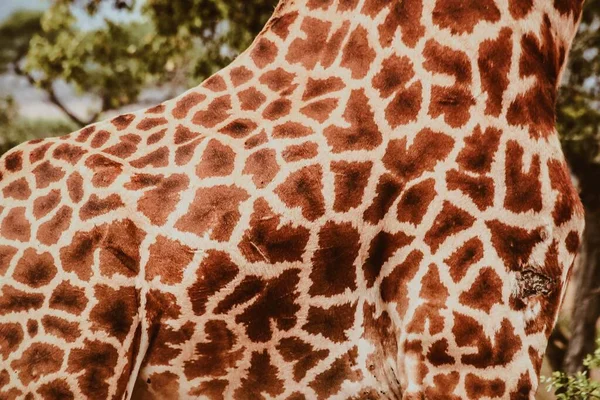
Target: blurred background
(67,63)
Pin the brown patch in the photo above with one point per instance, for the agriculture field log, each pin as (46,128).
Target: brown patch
(184,135)
(240,75)
(479,189)
(303,188)
(14,301)
(215,83)
(245,291)
(13,161)
(567,203)
(35,270)
(69,153)
(96,206)
(256,140)
(500,352)
(11,336)
(572,242)
(383,246)
(445,60)
(267,240)
(263,167)
(274,304)
(520,8)
(463,258)
(186,103)
(438,354)
(415,201)
(15,225)
(332,323)
(405,106)
(106,171)
(329,382)
(461,16)
(277,109)
(156,137)
(157,158)
(320,110)
(215,356)
(304,151)
(395,73)
(251,99)
(157,204)
(333,270)
(387,191)
(280,25)
(301,354)
(485,292)
(351,179)
(46,174)
(494,65)
(184,154)
(123,121)
(277,80)
(126,147)
(95,364)
(480,149)
(61,328)
(319,87)
(69,298)
(358,55)
(38,153)
(572,8)
(215,113)
(214,210)
(56,390)
(214,273)
(78,256)
(477,387)
(454,102)
(167,260)
(239,128)
(260,378)
(309,51)
(429,313)
(158,109)
(523,189)
(7,253)
(38,360)
(50,231)
(75,187)
(32,327)
(100,139)
(363,133)
(217,160)
(18,190)
(120,252)
(450,221)
(264,53)
(115,311)
(404,15)
(291,130)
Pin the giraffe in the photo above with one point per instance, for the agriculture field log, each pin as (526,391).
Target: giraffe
(369,203)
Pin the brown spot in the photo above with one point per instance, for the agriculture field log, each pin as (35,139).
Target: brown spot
(485,292)
(215,83)
(319,87)
(291,130)
(18,190)
(186,103)
(156,137)
(299,152)
(445,60)
(51,231)
(363,133)
(463,258)
(280,25)
(264,53)
(158,109)
(267,240)
(157,204)
(11,336)
(106,171)
(214,273)
(32,327)
(157,158)
(95,364)
(301,354)
(405,106)
(60,327)
(215,356)
(38,360)
(260,378)
(69,153)
(415,201)
(215,113)
(477,387)
(96,206)
(184,154)
(120,252)
(100,139)
(277,80)
(505,345)
(438,354)
(303,189)
(405,15)
(13,161)
(480,149)
(454,102)
(75,187)
(16,226)
(45,174)
(126,147)
(332,323)
(329,382)
(309,51)
(14,301)
(263,167)
(572,242)
(217,160)
(320,110)
(115,311)
(351,179)
(479,189)
(251,99)
(184,135)
(163,385)
(78,257)
(44,204)
(277,109)
(256,140)
(56,390)
(333,269)
(494,65)
(387,191)
(38,153)
(167,260)
(123,121)
(245,291)
(450,221)
(214,211)
(383,247)
(239,128)
(358,55)
(569,7)
(461,16)
(34,269)
(523,189)
(274,304)
(567,203)
(395,73)
(68,298)
(7,253)
(240,75)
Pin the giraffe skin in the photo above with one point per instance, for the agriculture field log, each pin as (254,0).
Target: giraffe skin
(369,203)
